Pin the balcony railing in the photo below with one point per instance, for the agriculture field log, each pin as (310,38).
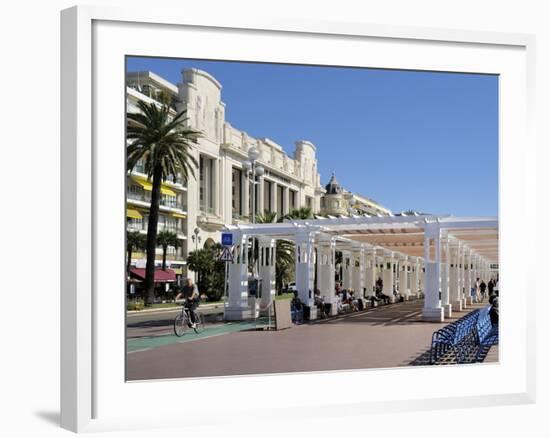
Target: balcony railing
(146,198)
(143,228)
(206,209)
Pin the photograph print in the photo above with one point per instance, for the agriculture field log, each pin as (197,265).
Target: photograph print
(290,218)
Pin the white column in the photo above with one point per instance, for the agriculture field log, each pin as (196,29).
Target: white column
(286,204)
(216,187)
(260,201)
(467,277)
(266,252)
(445,289)
(325,273)
(454,291)
(347,268)
(404,277)
(305,268)
(432,310)
(413,277)
(273,196)
(237,307)
(388,277)
(462,276)
(370,272)
(421,278)
(357,283)
(245,190)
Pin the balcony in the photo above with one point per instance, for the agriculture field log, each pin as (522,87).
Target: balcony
(158,256)
(145,198)
(180,231)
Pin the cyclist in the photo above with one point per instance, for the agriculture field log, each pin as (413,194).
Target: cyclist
(190,293)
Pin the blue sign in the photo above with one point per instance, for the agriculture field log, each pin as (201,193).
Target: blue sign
(227,239)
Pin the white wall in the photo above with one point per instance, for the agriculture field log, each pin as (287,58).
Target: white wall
(30,77)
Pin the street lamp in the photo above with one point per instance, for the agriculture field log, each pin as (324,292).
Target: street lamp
(196,238)
(252,167)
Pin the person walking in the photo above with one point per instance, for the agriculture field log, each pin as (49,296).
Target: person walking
(491,286)
(477,287)
(493,311)
(482,288)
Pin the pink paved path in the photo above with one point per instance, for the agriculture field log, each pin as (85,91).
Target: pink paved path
(389,336)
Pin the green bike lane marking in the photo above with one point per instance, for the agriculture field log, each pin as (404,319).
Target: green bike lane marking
(148,343)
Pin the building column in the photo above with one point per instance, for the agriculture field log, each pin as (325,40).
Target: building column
(404,277)
(260,201)
(325,273)
(445,289)
(413,277)
(216,187)
(370,272)
(245,190)
(267,260)
(432,310)
(454,292)
(286,199)
(273,196)
(357,283)
(347,268)
(305,265)
(237,308)
(461,276)
(467,277)
(421,279)
(388,277)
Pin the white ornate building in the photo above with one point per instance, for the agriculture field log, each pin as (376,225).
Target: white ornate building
(337,202)
(221,193)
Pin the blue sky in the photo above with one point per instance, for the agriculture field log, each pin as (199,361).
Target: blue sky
(424,141)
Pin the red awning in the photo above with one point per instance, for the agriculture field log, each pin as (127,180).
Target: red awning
(160,276)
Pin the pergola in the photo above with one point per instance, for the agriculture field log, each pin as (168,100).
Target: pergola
(437,256)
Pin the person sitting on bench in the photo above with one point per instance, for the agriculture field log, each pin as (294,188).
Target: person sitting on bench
(319,303)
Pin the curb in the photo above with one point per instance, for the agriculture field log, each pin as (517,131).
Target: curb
(171,309)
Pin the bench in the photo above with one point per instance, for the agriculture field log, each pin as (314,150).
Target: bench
(486,334)
(465,340)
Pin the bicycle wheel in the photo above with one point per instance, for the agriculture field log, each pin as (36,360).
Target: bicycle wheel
(199,319)
(180,324)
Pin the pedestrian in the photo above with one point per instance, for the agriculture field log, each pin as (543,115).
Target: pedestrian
(493,312)
(491,286)
(477,286)
(482,288)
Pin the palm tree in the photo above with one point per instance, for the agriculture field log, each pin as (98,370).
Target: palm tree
(134,241)
(165,239)
(300,213)
(163,145)
(284,251)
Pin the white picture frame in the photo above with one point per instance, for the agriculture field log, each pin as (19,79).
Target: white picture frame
(91,390)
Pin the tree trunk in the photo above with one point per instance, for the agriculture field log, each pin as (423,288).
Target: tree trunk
(128,264)
(164,249)
(152,237)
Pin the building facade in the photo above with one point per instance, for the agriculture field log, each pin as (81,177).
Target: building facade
(336,201)
(221,192)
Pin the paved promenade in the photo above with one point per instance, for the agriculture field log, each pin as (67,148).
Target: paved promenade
(389,336)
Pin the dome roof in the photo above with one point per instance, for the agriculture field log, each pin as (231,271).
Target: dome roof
(333,187)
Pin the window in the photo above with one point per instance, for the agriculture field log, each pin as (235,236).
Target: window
(267,195)
(205,184)
(134,224)
(292,199)
(280,200)
(236,192)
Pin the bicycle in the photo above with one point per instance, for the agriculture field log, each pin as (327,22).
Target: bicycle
(183,321)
